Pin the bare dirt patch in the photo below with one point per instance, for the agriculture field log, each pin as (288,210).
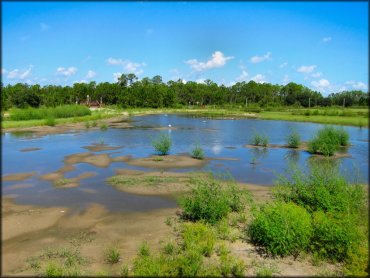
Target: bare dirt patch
(18,176)
(167,161)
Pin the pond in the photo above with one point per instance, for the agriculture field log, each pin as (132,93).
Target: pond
(223,141)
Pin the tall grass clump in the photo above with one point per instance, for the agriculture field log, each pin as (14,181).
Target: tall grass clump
(197,152)
(112,255)
(162,144)
(50,121)
(282,228)
(210,201)
(327,140)
(65,111)
(293,139)
(200,237)
(260,140)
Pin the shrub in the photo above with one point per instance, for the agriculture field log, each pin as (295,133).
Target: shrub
(54,270)
(197,152)
(293,140)
(87,124)
(112,255)
(209,201)
(334,236)
(327,140)
(94,124)
(200,237)
(103,126)
(65,111)
(230,266)
(144,249)
(282,228)
(321,189)
(162,144)
(260,140)
(50,122)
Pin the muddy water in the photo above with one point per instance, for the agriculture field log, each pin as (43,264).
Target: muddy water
(219,139)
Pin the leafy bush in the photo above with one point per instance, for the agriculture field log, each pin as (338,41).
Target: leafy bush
(65,111)
(260,140)
(209,201)
(200,237)
(293,140)
(327,140)
(321,189)
(197,152)
(162,144)
(103,126)
(334,236)
(282,228)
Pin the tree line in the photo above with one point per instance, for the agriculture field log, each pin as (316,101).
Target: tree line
(154,93)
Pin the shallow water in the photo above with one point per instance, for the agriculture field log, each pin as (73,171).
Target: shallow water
(218,138)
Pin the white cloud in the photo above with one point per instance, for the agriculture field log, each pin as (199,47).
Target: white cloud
(306,69)
(259,59)
(128,66)
(259,78)
(81,81)
(283,65)
(243,76)
(316,74)
(201,80)
(326,39)
(116,75)
(44,27)
(321,84)
(218,60)
(358,85)
(20,74)
(66,71)
(90,74)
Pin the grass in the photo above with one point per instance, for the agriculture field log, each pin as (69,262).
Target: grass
(162,144)
(112,255)
(293,140)
(260,140)
(197,152)
(63,181)
(103,126)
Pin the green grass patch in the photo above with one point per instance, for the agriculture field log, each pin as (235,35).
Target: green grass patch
(162,144)
(112,255)
(293,139)
(197,152)
(260,140)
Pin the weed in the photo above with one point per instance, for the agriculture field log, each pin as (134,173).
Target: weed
(197,152)
(54,270)
(266,270)
(87,124)
(260,140)
(94,124)
(158,158)
(200,237)
(293,140)
(63,182)
(282,228)
(144,249)
(34,263)
(112,255)
(103,126)
(162,144)
(124,271)
(50,121)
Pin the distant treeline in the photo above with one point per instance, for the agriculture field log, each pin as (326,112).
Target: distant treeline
(153,92)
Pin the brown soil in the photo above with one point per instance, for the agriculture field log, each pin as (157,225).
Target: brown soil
(18,177)
(30,149)
(98,160)
(167,161)
(28,231)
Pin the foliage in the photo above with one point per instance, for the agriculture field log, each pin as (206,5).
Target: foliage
(162,144)
(327,140)
(103,126)
(66,111)
(197,152)
(210,201)
(260,140)
(293,139)
(322,189)
(50,121)
(282,228)
(200,237)
(335,235)
(112,255)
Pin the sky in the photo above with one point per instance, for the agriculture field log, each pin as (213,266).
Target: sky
(322,45)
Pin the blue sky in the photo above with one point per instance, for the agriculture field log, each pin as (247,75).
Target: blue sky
(322,45)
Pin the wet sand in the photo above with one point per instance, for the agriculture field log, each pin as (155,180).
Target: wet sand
(168,161)
(18,177)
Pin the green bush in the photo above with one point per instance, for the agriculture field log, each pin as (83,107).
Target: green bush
(334,236)
(293,140)
(65,111)
(200,237)
(282,228)
(327,140)
(112,255)
(322,189)
(162,144)
(197,153)
(209,201)
(260,140)
(103,126)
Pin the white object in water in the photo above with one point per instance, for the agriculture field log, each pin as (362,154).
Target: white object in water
(169,125)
